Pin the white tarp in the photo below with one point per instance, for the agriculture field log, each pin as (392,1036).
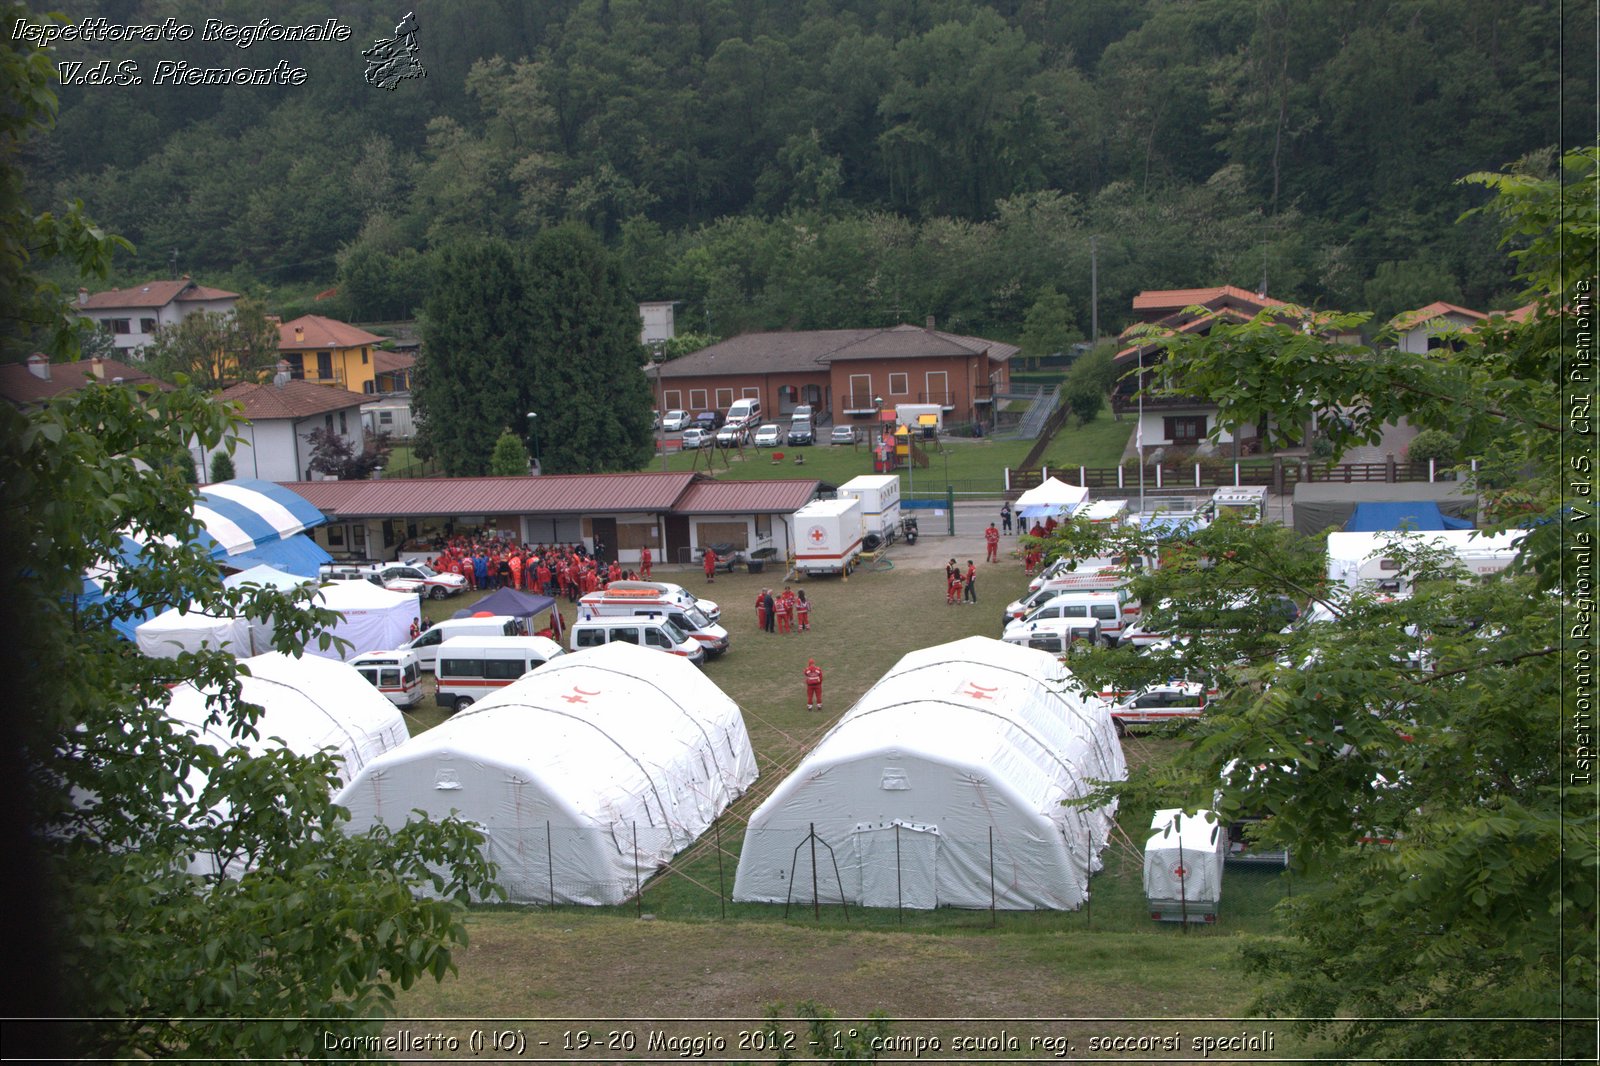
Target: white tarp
(177,630)
(308,704)
(1050,497)
(960,752)
(1183,858)
(374,619)
(584,776)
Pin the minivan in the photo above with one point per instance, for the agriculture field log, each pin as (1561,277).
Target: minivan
(472,667)
(1061,637)
(631,603)
(496,625)
(1106,606)
(1018,609)
(665,590)
(745,411)
(654,632)
(393,673)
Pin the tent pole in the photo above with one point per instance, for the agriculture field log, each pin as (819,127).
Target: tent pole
(550,861)
(816,900)
(722,899)
(638,896)
(991,878)
(899,899)
(1088,869)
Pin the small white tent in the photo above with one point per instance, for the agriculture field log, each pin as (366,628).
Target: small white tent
(374,619)
(176,630)
(1052,497)
(946,778)
(308,704)
(1183,866)
(584,776)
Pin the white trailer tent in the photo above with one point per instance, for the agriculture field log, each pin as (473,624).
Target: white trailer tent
(1183,866)
(371,617)
(584,776)
(961,752)
(308,704)
(1051,498)
(175,631)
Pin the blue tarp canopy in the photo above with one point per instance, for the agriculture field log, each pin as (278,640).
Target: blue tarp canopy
(1411,514)
(509,601)
(298,555)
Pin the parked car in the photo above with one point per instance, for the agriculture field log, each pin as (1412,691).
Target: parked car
(768,435)
(695,437)
(731,436)
(413,576)
(675,421)
(711,421)
(842,435)
(801,413)
(800,433)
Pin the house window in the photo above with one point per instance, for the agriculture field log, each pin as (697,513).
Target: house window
(749,392)
(938,384)
(344,427)
(297,369)
(385,418)
(327,423)
(724,398)
(121,326)
(860,392)
(899,384)
(1185,429)
(335,536)
(673,399)
(147,325)
(369,387)
(363,357)
(697,399)
(324,366)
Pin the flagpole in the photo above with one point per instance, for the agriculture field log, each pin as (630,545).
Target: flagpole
(1138,432)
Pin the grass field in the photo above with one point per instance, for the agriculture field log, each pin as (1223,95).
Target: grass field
(696,955)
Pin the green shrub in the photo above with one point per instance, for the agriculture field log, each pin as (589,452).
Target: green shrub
(1433,444)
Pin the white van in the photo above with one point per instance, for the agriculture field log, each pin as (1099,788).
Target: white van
(396,674)
(496,625)
(1048,592)
(472,667)
(644,591)
(658,634)
(745,412)
(630,603)
(1061,637)
(1105,606)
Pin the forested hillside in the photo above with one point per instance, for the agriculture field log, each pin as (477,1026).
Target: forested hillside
(844,162)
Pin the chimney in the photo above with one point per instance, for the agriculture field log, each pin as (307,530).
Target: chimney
(39,366)
(97,367)
(281,378)
(83,297)
(299,334)
(930,322)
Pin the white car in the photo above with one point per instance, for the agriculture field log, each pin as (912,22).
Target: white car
(695,437)
(769,435)
(421,579)
(731,435)
(1159,703)
(675,421)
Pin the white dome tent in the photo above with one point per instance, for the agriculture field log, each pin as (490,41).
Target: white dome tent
(372,617)
(308,704)
(584,776)
(178,630)
(961,752)
(1051,498)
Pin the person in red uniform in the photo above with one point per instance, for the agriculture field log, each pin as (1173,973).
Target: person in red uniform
(791,606)
(644,563)
(711,565)
(813,675)
(991,537)
(802,608)
(783,609)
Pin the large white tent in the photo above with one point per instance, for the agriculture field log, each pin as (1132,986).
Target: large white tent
(583,776)
(945,782)
(177,630)
(374,619)
(1051,497)
(308,704)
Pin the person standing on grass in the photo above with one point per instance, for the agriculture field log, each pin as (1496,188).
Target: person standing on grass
(813,676)
(969,589)
(991,540)
(952,586)
(761,609)
(644,562)
(711,565)
(791,606)
(803,611)
(783,610)
(771,606)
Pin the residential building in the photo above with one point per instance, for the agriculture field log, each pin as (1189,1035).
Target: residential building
(843,374)
(132,316)
(1430,327)
(31,384)
(329,352)
(279,418)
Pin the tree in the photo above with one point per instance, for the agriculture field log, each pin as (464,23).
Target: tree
(510,457)
(214,348)
(222,467)
(1414,753)
(332,454)
(1048,328)
(1089,382)
(309,924)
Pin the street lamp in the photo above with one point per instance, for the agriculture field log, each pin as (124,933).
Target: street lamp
(533,430)
(657,360)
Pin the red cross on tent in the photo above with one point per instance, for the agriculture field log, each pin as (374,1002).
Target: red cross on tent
(1179,870)
(978,692)
(578,695)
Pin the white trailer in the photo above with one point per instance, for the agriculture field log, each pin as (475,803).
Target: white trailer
(1248,502)
(1372,560)
(880,507)
(828,535)
(1183,866)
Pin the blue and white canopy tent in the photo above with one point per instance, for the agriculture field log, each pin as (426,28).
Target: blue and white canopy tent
(244,523)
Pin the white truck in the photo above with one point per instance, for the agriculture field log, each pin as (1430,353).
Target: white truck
(828,535)
(1373,560)
(1247,502)
(880,507)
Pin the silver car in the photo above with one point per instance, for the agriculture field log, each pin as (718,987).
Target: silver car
(842,435)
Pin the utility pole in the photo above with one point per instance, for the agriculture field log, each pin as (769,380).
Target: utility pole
(1094,293)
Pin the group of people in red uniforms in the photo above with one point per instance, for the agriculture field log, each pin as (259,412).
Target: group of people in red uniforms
(960,586)
(787,612)
(559,570)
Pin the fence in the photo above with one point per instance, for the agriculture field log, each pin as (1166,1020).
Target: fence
(879,875)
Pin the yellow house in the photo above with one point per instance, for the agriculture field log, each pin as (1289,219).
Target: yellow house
(329,352)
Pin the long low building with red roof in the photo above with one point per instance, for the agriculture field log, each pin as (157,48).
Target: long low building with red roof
(675,515)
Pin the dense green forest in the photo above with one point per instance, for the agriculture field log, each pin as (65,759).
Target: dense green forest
(833,163)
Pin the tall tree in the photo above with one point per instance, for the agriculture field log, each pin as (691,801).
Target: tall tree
(215,348)
(582,336)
